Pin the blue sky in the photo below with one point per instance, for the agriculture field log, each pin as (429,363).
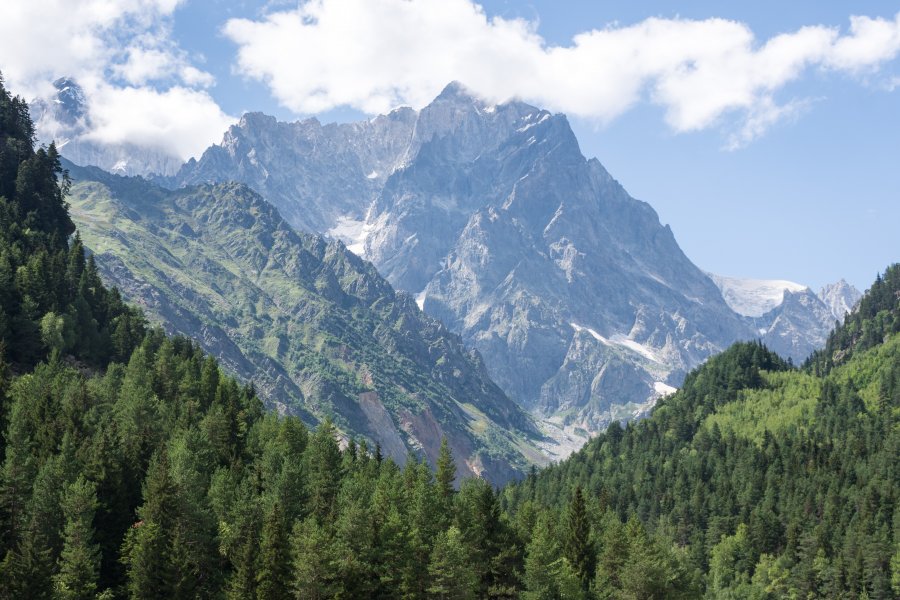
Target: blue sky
(770,157)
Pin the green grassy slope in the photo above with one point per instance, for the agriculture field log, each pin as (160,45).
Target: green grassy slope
(313,326)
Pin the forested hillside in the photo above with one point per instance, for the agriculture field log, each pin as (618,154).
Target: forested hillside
(50,297)
(769,481)
(131,467)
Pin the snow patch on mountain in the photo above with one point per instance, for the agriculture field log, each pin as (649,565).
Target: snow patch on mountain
(663,389)
(622,342)
(353,232)
(645,351)
(593,333)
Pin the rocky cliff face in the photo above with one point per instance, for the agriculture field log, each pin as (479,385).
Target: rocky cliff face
(316,328)
(581,302)
(797,326)
(841,298)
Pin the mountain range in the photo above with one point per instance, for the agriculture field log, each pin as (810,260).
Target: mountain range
(133,466)
(789,317)
(581,303)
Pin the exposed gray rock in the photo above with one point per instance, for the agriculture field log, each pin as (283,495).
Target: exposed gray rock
(787,316)
(840,297)
(580,301)
(798,326)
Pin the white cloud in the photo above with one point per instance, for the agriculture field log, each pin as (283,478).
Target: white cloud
(871,42)
(762,117)
(179,120)
(376,54)
(141,86)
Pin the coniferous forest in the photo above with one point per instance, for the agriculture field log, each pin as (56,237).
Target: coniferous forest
(132,467)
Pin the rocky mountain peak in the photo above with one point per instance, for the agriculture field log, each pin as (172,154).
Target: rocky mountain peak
(754,297)
(71,101)
(250,120)
(787,316)
(840,297)
(580,301)
(455,91)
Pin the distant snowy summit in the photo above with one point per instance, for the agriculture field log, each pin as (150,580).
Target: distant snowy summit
(756,297)
(788,316)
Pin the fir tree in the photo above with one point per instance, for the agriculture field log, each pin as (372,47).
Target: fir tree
(450,574)
(323,471)
(273,578)
(79,563)
(579,550)
(445,475)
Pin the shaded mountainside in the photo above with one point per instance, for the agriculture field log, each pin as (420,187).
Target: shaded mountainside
(315,328)
(775,482)
(581,303)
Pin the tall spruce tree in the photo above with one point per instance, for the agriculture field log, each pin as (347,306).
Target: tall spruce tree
(273,577)
(79,563)
(579,549)
(450,574)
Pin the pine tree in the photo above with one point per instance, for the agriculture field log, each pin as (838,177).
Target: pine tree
(147,552)
(445,475)
(450,574)
(579,550)
(548,574)
(273,578)
(323,470)
(79,563)
(316,558)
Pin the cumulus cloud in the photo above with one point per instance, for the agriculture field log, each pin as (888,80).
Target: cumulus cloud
(179,121)
(141,87)
(376,54)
